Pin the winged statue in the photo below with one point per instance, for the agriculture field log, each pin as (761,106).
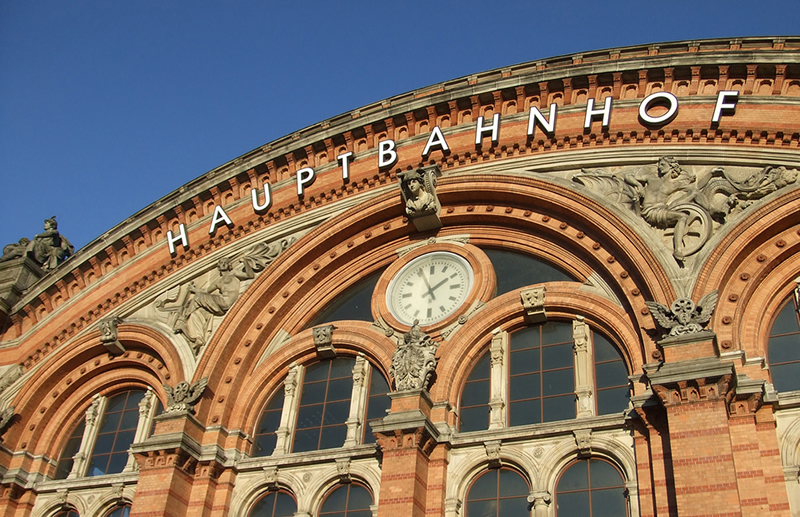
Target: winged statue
(684,316)
(184,396)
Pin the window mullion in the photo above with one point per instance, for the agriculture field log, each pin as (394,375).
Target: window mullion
(499,379)
(584,368)
(93,415)
(291,401)
(355,419)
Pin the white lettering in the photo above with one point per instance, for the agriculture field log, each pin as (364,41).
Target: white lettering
(549,126)
(436,139)
(386,153)
(661,119)
(305,177)
(344,159)
(481,129)
(591,113)
(219,217)
(722,105)
(182,237)
(267,198)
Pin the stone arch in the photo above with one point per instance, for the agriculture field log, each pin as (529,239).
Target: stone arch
(460,478)
(789,442)
(245,495)
(365,473)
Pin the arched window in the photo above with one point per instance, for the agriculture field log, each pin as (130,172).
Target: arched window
(265,437)
(590,488)
(324,405)
(120,511)
(498,493)
(115,434)
(784,348)
(536,377)
(274,504)
(352,500)
(474,408)
(541,378)
(354,304)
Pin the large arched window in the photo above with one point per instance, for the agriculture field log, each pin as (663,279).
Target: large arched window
(498,493)
(265,437)
(70,450)
(67,513)
(546,372)
(352,500)
(514,270)
(784,348)
(591,488)
(324,405)
(354,304)
(120,511)
(274,504)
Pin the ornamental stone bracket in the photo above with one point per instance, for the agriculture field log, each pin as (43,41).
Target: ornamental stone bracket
(418,191)
(583,440)
(108,335)
(748,396)
(343,470)
(533,303)
(410,429)
(323,341)
(493,448)
(686,382)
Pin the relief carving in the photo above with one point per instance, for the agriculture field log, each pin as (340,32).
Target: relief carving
(192,310)
(184,396)
(10,376)
(533,303)
(418,190)
(6,417)
(108,335)
(683,316)
(323,341)
(414,360)
(680,203)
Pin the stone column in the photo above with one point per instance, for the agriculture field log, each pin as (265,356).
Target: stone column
(499,381)
(407,439)
(357,401)
(541,503)
(146,409)
(81,459)
(584,371)
(289,412)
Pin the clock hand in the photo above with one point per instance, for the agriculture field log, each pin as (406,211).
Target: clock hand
(440,284)
(424,279)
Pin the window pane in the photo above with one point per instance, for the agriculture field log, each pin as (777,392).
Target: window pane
(525,361)
(485,508)
(556,332)
(309,416)
(515,270)
(354,304)
(285,505)
(525,338)
(377,383)
(611,374)
(117,463)
(116,403)
(129,419)
(70,449)
(512,484)
(612,400)
(340,389)
(359,499)
(603,349)
(475,393)
(516,507)
(342,367)
(558,382)
(316,372)
(608,503)
(104,444)
(786,321)
(558,356)
(265,444)
(576,477)
(786,377)
(784,349)
(559,408)
(124,440)
(269,422)
(134,397)
(474,419)
(603,474)
(485,487)
(336,412)
(526,412)
(313,393)
(110,422)
(336,501)
(482,368)
(307,440)
(526,386)
(333,437)
(574,504)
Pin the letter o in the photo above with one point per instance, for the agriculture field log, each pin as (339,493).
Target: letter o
(661,119)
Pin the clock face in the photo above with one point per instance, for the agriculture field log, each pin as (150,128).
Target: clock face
(430,288)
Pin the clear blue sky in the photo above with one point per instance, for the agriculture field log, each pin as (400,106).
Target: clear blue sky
(106,106)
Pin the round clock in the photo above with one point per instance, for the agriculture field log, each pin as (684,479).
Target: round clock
(430,288)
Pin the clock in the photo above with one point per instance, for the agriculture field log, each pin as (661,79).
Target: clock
(430,288)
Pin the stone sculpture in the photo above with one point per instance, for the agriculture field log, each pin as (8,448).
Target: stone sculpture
(683,316)
(108,335)
(6,417)
(184,396)
(48,249)
(671,198)
(414,360)
(193,308)
(418,190)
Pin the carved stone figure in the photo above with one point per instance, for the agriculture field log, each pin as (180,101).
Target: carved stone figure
(50,248)
(683,316)
(108,335)
(5,419)
(193,309)
(184,396)
(418,190)
(10,376)
(323,341)
(671,198)
(414,360)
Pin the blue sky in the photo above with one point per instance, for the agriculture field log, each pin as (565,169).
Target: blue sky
(106,106)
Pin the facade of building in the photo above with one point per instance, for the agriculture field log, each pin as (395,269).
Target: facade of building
(563,288)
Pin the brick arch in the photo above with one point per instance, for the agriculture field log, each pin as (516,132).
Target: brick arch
(349,339)
(563,302)
(333,256)
(753,266)
(68,380)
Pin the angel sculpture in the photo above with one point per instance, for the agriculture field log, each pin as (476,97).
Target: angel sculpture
(184,396)
(683,316)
